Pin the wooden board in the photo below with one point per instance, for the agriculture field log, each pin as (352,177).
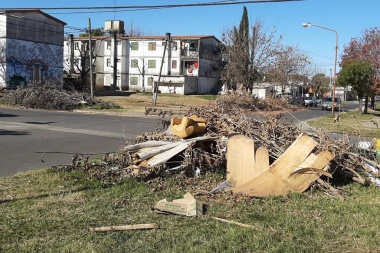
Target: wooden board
(275,180)
(293,156)
(261,160)
(240,159)
(300,182)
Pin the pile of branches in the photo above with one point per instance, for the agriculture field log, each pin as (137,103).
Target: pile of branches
(271,130)
(48,96)
(244,100)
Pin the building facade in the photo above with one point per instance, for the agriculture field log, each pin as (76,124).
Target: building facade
(177,64)
(31,48)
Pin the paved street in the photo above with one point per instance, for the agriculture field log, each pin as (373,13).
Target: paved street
(31,139)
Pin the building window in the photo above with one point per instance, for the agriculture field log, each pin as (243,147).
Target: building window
(108,62)
(175,45)
(150,81)
(134,63)
(152,46)
(134,46)
(108,44)
(134,80)
(152,64)
(174,64)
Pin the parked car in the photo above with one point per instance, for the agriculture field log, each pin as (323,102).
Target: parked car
(327,103)
(311,101)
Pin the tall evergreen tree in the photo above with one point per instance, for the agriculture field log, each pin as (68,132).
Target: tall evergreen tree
(243,44)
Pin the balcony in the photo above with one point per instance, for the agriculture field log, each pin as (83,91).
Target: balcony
(189,54)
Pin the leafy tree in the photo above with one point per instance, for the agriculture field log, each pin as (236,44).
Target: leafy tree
(366,47)
(359,74)
(321,83)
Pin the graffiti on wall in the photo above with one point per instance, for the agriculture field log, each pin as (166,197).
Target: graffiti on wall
(29,62)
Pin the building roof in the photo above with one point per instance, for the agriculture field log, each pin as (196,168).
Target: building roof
(13,11)
(151,37)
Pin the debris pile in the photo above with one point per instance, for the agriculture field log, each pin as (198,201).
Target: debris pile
(48,96)
(260,152)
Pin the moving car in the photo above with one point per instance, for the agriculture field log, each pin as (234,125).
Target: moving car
(327,103)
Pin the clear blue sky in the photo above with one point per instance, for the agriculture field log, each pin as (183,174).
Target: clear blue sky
(348,17)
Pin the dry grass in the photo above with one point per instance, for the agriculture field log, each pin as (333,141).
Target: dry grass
(135,104)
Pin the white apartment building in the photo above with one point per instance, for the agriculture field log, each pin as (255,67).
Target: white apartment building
(179,64)
(31,48)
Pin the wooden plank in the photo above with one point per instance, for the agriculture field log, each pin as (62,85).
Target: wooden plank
(274,180)
(144,154)
(125,227)
(266,184)
(147,144)
(300,182)
(165,156)
(293,156)
(261,160)
(240,159)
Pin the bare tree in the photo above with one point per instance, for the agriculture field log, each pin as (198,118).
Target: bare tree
(3,62)
(133,31)
(290,67)
(82,61)
(263,45)
(142,70)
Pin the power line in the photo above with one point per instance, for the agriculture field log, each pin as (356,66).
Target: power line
(149,7)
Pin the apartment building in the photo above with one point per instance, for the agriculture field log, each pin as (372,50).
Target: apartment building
(31,48)
(177,64)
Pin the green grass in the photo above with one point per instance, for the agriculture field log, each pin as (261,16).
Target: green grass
(51,211)
(352,123)
(208,97)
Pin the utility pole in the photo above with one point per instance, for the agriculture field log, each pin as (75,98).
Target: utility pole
(71,54)
(114,62)
(155,89)
(90,48)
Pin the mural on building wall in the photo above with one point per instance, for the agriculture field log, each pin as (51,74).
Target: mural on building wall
(29,62)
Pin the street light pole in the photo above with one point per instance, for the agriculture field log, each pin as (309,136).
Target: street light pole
(336,59)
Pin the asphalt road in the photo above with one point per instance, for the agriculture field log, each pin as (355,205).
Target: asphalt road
(32,139)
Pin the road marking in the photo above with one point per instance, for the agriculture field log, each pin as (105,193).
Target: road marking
(6,125)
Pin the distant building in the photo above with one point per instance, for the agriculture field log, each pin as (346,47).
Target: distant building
(31,47)
(189,65)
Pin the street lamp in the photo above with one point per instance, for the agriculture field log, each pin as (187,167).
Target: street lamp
(336,58)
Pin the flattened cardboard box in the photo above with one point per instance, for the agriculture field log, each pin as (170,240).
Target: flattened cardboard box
(187,206)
